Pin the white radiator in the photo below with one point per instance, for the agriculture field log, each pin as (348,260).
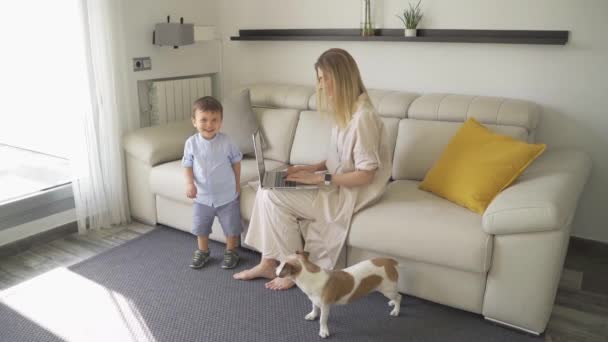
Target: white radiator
(172,100)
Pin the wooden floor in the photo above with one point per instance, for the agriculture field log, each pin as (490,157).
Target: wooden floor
(580,312)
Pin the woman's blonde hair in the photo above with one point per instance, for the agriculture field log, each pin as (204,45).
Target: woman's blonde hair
(339,66)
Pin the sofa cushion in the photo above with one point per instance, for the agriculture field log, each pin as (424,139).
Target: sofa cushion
(168,179)
(313,133)
(477,164)
(311,139)
(278,128)
(159,144)
(239,121)
(420,144)
(247,200)
(417,225)
(392,128)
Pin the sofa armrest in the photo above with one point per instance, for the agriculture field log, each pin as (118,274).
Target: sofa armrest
(543,198)
(158,144)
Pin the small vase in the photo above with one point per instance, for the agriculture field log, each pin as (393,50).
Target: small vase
(410,32)
(371,16)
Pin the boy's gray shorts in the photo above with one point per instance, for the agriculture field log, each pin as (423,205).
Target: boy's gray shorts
(228,214)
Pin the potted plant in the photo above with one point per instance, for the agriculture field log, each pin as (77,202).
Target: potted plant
(411,17)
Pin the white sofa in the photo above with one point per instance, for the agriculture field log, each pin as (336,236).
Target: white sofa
(504,264)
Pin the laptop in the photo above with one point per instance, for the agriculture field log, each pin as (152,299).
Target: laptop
(273,179)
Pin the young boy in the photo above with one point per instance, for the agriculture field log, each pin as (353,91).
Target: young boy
(213,170)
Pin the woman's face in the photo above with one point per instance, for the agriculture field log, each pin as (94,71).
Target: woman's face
(325,82)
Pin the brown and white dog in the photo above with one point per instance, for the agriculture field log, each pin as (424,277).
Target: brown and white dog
(324,287)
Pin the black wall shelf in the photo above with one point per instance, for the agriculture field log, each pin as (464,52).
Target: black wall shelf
(424,35)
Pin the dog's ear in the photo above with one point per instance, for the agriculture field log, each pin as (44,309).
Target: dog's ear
(290,269)
(287,270)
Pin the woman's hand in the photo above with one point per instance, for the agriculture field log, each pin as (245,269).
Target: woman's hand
(191,190)
(308,168)
(300,168)
(306,177)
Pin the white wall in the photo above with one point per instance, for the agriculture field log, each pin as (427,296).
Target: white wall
(569,81)
(139,19)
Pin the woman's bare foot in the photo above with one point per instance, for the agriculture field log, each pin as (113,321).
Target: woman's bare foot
(265,269)
(278,284)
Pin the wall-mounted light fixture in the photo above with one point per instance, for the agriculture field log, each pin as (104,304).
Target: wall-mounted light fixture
(173,34)
(178,34)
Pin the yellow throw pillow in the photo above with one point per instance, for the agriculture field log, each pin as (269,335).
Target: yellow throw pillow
(478,164)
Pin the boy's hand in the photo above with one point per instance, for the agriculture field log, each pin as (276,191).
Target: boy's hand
(238,189)
(191,191)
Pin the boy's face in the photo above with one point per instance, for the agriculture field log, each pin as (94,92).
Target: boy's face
(207,123)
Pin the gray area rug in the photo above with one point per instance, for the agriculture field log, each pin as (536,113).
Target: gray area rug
(158,298)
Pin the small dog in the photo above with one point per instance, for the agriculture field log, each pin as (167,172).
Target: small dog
(325,288)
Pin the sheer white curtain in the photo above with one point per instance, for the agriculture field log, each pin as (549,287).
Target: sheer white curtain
(99,184)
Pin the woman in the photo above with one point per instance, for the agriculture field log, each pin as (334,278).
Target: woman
(359,166)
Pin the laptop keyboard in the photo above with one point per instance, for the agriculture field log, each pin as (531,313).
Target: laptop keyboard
(280,181)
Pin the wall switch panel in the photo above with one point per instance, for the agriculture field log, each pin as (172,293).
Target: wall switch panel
(142,63)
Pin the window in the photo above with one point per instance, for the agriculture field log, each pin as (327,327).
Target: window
(45,83)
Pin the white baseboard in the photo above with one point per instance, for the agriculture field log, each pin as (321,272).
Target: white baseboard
(28,229)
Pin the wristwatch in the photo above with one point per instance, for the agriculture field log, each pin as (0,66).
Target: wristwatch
(327,179)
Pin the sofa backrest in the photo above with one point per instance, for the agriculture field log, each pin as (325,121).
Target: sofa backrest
(309,147)
(433,119)
(419,127)
(278,107)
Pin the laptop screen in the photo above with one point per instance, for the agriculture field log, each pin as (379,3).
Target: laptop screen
(259,155)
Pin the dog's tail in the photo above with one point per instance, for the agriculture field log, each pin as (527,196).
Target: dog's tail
(390,262)
(395,265)
(385,261)
(391,267)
